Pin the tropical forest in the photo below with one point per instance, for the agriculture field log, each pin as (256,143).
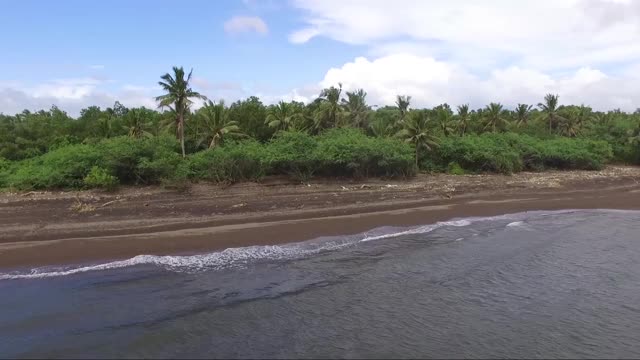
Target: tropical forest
(338,135)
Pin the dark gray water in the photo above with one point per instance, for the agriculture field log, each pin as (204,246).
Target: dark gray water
(555,284)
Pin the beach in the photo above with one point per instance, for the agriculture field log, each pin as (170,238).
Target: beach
(56,228)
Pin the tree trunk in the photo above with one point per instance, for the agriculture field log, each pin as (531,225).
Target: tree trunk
(181,125)
(416,156)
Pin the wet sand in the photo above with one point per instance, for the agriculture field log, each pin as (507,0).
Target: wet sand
(50,228)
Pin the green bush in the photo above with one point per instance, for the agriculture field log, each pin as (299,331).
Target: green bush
(141,161)
(479,154)
(230,163)
(455,169)
(5,170)
(293,153)
(100,178)
(511,152)
(349,152)
(65,167)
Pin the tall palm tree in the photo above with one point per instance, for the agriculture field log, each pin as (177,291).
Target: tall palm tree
(381,128)
(329,112)
(416,130)
(522,113)
(403,102)
(571,123)
(444,117)
(550,110)
(178,98)
(215,124)
(136,123)
(463,119)
(284,116)
(494,117)
(356,109)
(634,136)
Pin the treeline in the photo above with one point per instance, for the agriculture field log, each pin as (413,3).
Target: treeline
(338,134)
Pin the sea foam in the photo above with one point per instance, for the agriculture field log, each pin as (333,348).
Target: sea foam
(238,257)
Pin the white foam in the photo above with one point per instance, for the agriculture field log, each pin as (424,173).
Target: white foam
(241,256)
(515,224)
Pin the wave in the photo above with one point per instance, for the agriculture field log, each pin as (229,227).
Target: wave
(237,257)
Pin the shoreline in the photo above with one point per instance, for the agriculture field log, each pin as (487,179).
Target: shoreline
(124,230)
(193,236)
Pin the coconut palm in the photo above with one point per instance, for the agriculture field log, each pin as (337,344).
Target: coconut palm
(178,98)
(494,117)
(284,116)
(550,110)
(329,111)
(444,118)
(355,108)
(381,128)
(417,131)
(522,113)
(570,124)
(215,125)
(463,119)
(403,102)
(634,136)
(136,123)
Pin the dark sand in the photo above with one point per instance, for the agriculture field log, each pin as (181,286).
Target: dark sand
(47,228)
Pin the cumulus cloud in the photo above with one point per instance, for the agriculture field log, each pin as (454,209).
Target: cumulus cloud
(242,24)
(545,34)
(72,95)
(431,82)
(460,51)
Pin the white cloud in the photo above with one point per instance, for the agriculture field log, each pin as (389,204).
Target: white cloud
(72,95)
(460,51)
(545,34)
(96,67)
(431,82)
(241,24)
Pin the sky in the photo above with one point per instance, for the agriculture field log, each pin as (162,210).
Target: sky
(78,53)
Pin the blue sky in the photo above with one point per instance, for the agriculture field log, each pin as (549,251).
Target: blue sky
(136,41)
(76,53)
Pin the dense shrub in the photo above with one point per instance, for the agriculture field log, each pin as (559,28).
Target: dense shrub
(455,169)
(293,153)
(5,169)
(100,178)
(140,161)
(510,152)
(61,168)
(233,162)
(479,153)
(349,152)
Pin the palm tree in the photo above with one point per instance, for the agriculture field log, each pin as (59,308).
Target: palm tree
(284,116)
(380,128)
(356,109)
(570,124)
(403,102)
(522,113)
(416,130)
(493,116)
(444,116)
(634,136)
(550,110)
(328,113)
(178,98)
(215,124)
(136,123)
(463,119)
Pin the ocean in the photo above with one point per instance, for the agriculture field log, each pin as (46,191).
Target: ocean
(560,284)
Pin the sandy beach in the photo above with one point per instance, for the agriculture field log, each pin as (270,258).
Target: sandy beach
(50,228)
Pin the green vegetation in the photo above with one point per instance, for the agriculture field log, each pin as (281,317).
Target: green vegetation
(337,135)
